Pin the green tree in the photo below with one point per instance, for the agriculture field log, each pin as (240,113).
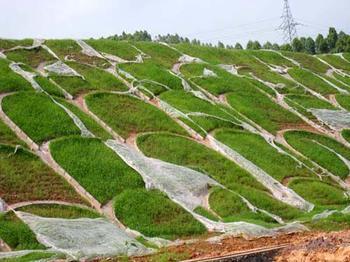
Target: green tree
(321,45)
(267,45)
(238,46)
(297,45)
(286,47)
(332,38)
(276,47)
(310,46)
(221,45)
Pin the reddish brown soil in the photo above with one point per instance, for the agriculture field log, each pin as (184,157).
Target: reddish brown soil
(306,246)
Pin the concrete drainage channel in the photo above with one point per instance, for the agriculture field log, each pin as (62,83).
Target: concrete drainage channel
(253,255)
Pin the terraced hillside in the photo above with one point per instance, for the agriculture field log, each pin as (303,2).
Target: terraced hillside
(112,148)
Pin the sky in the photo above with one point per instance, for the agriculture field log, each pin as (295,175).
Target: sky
(230,21)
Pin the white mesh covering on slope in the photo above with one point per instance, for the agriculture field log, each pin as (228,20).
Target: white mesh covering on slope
(186,59)
(279,191)
(230,68)
(185,186)
(26,75)
(248,230)
(208,73)
(83,237)
(88,50)
(3,205)
(61,68)
(2,55)
(335,119)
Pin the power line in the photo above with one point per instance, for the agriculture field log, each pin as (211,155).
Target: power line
(288,26)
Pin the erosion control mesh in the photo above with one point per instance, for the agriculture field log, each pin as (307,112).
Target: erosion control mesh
(61,68)
(88,50)
(83,237)
(187,187)
(335,119)
(279,191)
(26,75)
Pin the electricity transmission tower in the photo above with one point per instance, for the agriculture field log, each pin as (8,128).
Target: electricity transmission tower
(288,26)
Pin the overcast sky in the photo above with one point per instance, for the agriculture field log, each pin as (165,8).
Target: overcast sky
(208,20)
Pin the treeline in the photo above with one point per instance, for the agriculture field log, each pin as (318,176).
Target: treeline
(334,42)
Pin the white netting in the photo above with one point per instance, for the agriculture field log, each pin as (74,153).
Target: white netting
(230,68)
(61,68)
(333,118)
(209,73)
(3,205)
(323,215)
(83,237)
(2,55)
(279,191)
(186,59)
(183,185)
(26,75)
(88,50)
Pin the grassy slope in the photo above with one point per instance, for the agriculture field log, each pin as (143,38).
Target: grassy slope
(89,123)
(17,234)
(346,134)
(10,43)
(188,153)
(7,136)
(344,101)
(60,211)
(336,61)
(308,62)
(69,48)
(24,177)
(32,57)
(311,81)
(140,116)
(304,143)
(95,166)
(309,102)
(121,49)
(257,150)
(151,71)
(48,86)
(153,214)
(160,54)
(44,121)
(271,58)
(11,81)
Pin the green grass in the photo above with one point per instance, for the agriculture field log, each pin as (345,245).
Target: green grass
(346,56)
(121,49)
(344,79)
(231,208)
(319,193)
(59,211)
(151,71)
(311,81)
(17,234)
(95,166)
(69,48)
(24,178)
(160,54)
(206,213)
(89,123)
(335,222)
(10,81)
(32,57)
(140,116)
(154,215)
(44,121)
(48,86)
(308,62)
(257,150)
(305,143)
(185,152)
(7,136)
(309,102)
(10,43)
(263,111)
(336,61)
(346,134)
(209,124)
(344,101)
(34,256)
(271,58)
